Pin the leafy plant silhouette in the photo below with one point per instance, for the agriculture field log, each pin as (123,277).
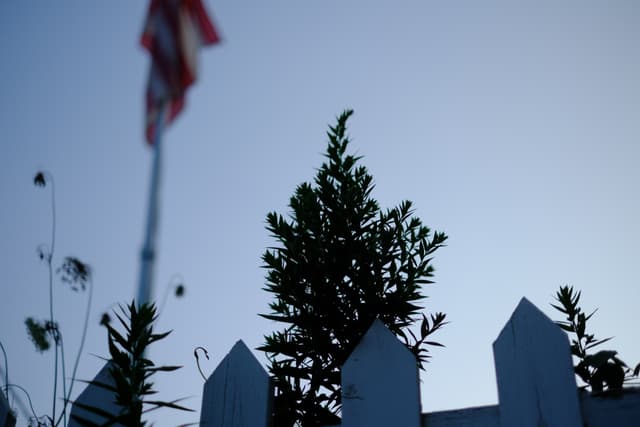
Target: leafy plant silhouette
(46,333)
(130,370)
(341,262)
(598,369)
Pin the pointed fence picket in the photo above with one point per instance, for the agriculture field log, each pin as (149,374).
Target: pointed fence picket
(380,382)
(237,392)
(536,382)
(380,385)
(98,397)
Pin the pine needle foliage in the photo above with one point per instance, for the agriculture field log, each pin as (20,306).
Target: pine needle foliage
(603,370)
(131,370)
(341,262)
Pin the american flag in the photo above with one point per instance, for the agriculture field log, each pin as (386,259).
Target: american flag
(173,33)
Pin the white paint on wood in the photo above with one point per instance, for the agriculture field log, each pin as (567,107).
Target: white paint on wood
(536,386)
(380,383)
(481,416)
(534,370)
(612,410)
(7,417)
(96,396)
(237,394)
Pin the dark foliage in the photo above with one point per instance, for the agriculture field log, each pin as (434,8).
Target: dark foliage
(75,273)
(179,291)
(39,179)
(38,333)
(341,262)
(599,369)
(105,319)
(131,370)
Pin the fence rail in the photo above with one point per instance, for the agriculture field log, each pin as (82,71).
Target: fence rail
(380,385)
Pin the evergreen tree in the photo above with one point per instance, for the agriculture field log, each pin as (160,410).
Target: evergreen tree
(341,263)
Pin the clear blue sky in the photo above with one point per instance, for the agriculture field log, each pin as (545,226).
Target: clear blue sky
(513,128)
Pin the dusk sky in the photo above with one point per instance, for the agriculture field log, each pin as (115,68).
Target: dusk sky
(514,127)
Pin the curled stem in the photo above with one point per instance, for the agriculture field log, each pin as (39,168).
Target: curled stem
(195,354)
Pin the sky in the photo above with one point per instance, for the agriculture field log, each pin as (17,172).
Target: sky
(512,126)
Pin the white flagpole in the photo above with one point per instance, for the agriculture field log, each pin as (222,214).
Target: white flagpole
(148,253)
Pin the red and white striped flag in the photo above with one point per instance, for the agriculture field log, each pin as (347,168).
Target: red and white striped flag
(173,33)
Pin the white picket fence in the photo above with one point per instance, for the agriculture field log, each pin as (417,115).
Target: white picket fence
(380,385)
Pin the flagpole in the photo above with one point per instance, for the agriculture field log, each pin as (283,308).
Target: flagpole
(148,253)
(173,59)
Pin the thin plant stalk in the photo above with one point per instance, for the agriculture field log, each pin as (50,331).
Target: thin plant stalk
(83,339)
(64,380)
(55,380)
(175,280)
(6,370)
(49,258)
(77,361)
